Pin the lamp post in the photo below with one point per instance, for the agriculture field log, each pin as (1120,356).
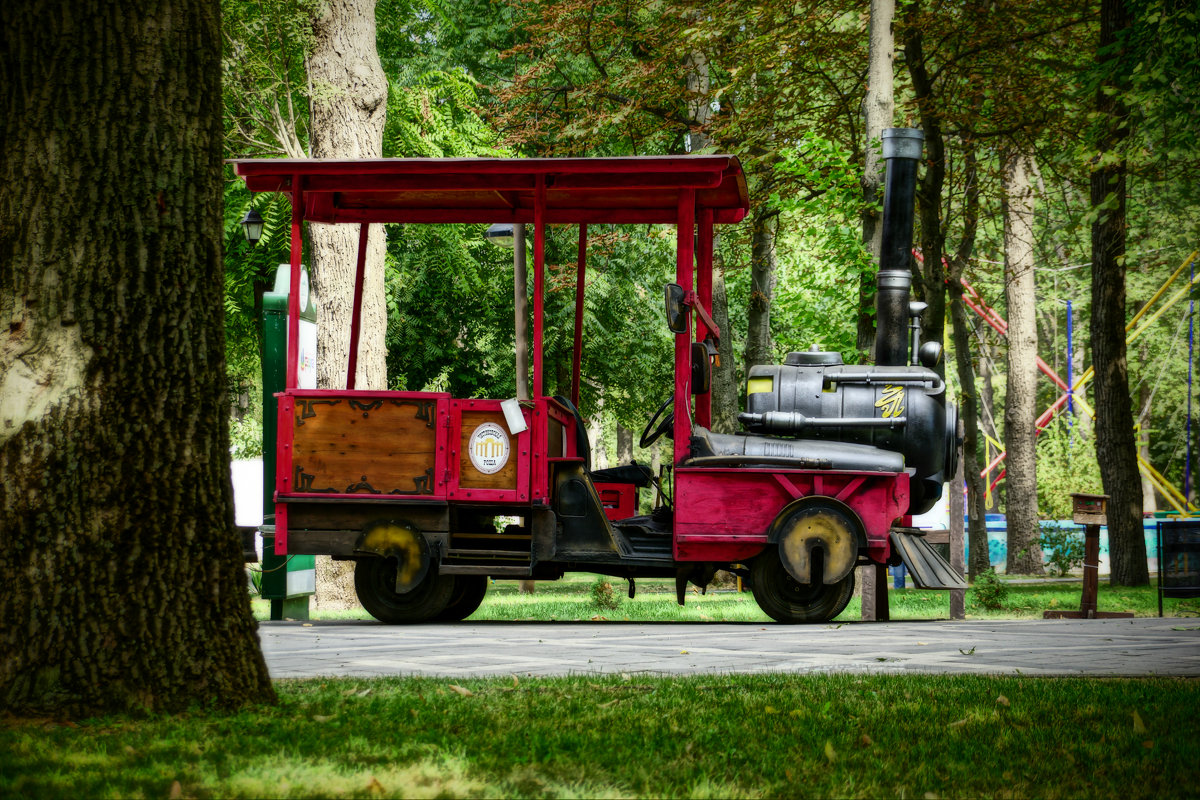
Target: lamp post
(512,235)
(252,225)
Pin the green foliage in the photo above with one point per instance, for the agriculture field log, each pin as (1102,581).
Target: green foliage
(246,438)
(989,591)
(1062,547)
(1066,463)
(602,595)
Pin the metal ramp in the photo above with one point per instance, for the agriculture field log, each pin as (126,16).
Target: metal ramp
(929,570)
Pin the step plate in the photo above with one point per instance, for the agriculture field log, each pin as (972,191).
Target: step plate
(929,570)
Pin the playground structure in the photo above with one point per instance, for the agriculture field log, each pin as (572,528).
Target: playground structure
(1071,391)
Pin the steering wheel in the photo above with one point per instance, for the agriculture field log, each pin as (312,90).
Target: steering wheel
(656,427)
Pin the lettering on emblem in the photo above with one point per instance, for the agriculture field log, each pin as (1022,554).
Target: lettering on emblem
(488,448)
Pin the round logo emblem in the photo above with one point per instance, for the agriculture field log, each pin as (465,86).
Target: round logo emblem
(489,448)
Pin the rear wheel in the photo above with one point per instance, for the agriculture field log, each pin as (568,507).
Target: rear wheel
(375,584)
(787,600)
(468,594)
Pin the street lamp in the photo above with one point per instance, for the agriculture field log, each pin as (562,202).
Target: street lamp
(501,235)
(512,236)
(252,225)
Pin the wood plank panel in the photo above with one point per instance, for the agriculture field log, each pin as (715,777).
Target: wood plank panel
(369,446)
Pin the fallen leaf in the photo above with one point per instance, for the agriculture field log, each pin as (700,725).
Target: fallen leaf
(465,692)
(1138,725)
(1002,701)
(957,723)
(922,644)
(323,717)
(365,692)
(967,652)
(683,652)
(515,681)
(771,710)
(375,787)
(609,704)
(830,753)
(176,791)
(306,625)
(349,692)
(865,740)
(1149,745)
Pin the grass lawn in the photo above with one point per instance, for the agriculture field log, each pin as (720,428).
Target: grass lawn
(572,599)
(708,736)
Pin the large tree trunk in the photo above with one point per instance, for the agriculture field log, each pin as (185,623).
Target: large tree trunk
(123,585)
(878,109)
(759,349)
(349,107)
(1116,447)
(931,278)
(1020,412)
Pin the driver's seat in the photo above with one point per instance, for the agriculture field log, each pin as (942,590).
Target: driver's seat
(637,474)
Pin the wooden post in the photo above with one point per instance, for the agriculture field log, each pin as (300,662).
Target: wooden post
(875,593)
(1091,571)
(958,608)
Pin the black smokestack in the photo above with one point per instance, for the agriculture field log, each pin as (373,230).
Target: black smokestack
(901,152)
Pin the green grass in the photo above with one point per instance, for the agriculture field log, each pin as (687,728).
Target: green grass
(708,736)
(570,599)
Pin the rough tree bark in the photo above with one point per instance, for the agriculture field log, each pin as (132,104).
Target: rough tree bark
(1116,446)
(759,349)
(348,111)
(931,278)
(123,587)
(878,109)
(1020,432)
(968,399)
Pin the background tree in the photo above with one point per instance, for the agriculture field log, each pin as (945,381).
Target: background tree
(124,588)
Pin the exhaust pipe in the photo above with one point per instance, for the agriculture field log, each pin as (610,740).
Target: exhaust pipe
(901,151)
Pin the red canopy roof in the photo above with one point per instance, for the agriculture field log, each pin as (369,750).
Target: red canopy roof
(632,189)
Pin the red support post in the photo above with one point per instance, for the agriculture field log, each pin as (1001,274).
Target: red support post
(580,279)
(684,265)
(360,270)
(539,281)
(704,292)
(293,323)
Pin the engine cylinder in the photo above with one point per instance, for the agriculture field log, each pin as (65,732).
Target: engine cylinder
(897,408)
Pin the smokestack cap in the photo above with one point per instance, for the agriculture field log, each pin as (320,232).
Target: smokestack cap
(902,142)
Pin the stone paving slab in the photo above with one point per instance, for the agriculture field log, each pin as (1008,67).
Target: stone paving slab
(1116,647)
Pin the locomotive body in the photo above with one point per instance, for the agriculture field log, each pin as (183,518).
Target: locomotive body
(432,496)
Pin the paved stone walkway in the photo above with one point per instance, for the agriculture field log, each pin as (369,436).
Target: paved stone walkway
(1137,647)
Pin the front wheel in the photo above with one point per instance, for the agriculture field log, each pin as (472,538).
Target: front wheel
(375,584)
(787,600)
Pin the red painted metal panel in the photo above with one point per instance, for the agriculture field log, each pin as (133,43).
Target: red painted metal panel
(619,499)
(714,507)
(284,432)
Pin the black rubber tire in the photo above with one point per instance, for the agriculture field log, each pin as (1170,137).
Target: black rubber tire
(786,600)
(468,594)
(375,585)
